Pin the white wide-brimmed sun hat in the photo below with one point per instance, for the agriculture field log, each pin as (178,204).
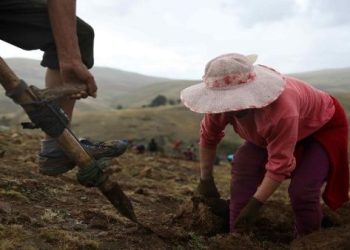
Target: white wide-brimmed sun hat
(230,83)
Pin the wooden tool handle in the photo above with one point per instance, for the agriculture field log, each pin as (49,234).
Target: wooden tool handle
(67,140)
(62,91)
(8,78)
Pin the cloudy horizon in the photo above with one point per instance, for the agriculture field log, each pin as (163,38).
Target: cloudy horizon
(175,39)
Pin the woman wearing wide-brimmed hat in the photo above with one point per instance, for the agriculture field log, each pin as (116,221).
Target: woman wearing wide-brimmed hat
(291,130)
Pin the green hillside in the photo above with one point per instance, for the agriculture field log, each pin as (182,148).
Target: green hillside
(335,81)
(331,80)
(129,89)
(144,95)
(166,124)
(112,83)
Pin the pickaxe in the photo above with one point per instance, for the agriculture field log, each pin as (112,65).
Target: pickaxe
(39,106)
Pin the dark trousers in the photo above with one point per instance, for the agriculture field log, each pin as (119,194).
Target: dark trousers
(248,169)
(26,24)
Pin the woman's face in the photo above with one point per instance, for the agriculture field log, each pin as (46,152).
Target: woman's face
(238,114)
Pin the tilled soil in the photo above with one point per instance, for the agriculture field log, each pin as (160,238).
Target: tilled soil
(40,212)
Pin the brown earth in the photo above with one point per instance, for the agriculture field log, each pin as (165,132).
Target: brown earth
(39,212)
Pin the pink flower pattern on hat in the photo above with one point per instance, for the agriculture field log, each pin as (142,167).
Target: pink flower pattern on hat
(231,82)
(228,70)
(228,80)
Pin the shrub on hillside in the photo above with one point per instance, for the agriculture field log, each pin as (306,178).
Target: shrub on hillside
(171,102)
(158,101)
(119,106)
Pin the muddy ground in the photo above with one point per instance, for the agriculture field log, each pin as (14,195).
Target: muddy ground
(39,212)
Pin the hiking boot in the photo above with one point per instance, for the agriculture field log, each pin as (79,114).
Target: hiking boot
(57,163)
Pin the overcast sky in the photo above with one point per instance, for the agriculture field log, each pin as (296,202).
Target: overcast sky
(176,38)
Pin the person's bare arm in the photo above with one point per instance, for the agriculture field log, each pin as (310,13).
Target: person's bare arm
(207,157)
(63,21)
(206,187)
(63,24)
(266,189)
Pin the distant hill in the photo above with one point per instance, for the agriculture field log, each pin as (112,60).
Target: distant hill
(145,94)
(112,83)
(33,73)
(331,80)
(129,89)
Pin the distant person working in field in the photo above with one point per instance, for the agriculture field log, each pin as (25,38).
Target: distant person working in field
(189,153)
(67,42)
(152,146)
(291,130)
(176,147)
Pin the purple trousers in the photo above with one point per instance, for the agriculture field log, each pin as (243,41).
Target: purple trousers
(248,169)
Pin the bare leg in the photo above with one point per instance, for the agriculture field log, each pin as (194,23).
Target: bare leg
(53,79)
(52,160)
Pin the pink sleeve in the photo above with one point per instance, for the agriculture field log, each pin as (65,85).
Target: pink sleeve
(212,129)
(281,140)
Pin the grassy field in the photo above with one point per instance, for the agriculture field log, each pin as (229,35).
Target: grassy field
(166,124)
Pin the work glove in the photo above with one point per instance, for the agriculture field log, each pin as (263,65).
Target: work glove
(206,193)
(207,189)
(248,215)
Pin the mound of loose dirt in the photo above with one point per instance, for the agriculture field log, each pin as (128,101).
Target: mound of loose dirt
(335,238)
(202,219)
